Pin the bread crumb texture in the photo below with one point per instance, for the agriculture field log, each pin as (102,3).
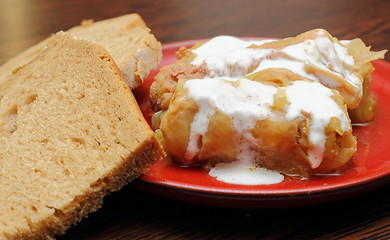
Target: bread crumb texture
(70,132)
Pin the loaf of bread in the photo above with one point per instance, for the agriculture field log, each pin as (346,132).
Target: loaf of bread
(126,38)
(70,133)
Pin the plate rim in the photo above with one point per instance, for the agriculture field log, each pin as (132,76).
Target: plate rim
(314,190)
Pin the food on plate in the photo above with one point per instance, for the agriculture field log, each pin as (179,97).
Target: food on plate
(270,121)
(126,38)
(280,104)
(71,132)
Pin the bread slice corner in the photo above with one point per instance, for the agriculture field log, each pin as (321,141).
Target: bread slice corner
(126,38)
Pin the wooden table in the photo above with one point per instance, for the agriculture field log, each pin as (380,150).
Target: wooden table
(133,214)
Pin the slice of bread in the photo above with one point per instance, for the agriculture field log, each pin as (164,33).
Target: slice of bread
(70,133)
(126,38)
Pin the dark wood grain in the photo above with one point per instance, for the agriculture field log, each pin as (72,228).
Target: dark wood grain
(131,214)
(24,22)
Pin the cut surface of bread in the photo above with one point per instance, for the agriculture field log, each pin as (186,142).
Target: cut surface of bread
(70,133)
(126,38)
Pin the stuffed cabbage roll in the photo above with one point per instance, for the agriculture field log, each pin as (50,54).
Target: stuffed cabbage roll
(285,105)
(341,65)
(274,118)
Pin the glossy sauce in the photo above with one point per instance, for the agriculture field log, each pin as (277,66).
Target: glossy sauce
(245,105)
(244,174)
(231,59)
(314,98)
(227,56)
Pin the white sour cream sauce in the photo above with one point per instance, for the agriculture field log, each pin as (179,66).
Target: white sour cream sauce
(244,104)
(315,99)
(227,56)
(229,59)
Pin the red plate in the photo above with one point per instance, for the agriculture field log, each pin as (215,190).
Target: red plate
(369,168)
